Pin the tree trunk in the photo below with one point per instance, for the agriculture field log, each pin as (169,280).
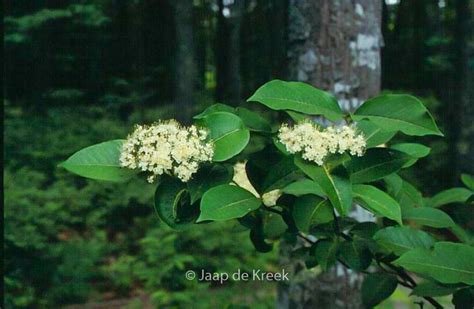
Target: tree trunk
(463,77)
(335,46)
(229,19)
(185,66)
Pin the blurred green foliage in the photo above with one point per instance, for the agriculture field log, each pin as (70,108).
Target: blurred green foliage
(70,240)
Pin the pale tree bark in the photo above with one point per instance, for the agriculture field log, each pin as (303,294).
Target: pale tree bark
(335,46)
(185,64)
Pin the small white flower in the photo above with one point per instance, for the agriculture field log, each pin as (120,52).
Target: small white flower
(166,147)
(315,143)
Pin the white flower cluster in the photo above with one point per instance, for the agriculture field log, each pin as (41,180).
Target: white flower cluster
(315,144)
(166,147)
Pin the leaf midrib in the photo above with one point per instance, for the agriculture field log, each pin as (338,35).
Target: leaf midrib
(220,209)
(298,101)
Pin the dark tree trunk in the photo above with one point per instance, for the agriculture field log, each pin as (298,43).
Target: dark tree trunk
(463,95)
(185,66)
(333,45)
(228,88)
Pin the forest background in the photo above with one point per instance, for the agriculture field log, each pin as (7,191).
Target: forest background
(81,72)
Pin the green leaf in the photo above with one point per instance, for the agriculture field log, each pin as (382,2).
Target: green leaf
(253,120)
(274,226)
(303,187)
(172,204)
(282,174)
(374,135)
(413,150)
(378,202)
(428,217)
(355,254)
(100,161)
(279,145)
(463,235)
(464,298)
(226,202)
(394,184)
(402,239)
(218,107)
(365,230)
(409,196)
(207,177)
(297,117)
(447,263)
(376,288)
(228,133)
(398,112)
(299,97)
(257,237)
(376,164)
(468,181)
(335,184)
(260,164)
(453,195)
(325,252)
(432,289)
(311,210)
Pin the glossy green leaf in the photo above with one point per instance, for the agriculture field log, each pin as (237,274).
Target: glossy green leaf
(402,239)
(257,237)
(378,202)
(282,174)
(376,164)
(393,184)
(448,262)
(413,150)
(427,216)
(260,164)
(279,145)
(374,135)
(335,184)
(464,298)
(398,112)
(355,254)
(297,117)
(303,187)
(172,204)
(274,226)
(311,210)
(376,288)
(207,177)
(468,181)
(228,133)
(365,230)
(453,195)
(253,120)
(432,289)
(100,161)
(409,196)
(325,252)
(218,107)
(226,202)
(299,97)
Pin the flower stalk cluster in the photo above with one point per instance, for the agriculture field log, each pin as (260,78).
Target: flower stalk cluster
(166,147)
(315,144)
